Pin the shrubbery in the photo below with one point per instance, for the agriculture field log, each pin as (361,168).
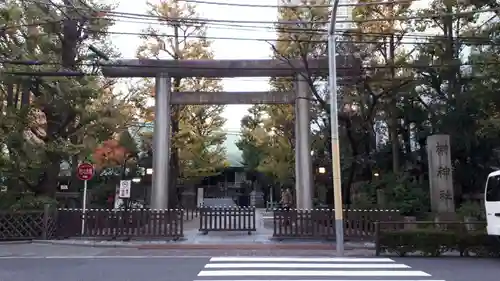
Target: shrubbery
(11,201)
(431,242)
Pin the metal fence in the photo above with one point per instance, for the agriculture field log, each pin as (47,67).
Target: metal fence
(145,223)
(320,223)
(227,219)
(191,214)
(115,223)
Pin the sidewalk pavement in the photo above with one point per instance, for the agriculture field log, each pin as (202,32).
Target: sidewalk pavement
(226,245)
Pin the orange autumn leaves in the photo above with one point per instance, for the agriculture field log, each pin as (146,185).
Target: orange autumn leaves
(109,154)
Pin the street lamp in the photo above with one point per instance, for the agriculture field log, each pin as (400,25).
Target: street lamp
(334,123)
(321,170)
(149,171)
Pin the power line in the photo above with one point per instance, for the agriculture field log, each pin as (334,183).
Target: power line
(298,5)
(467,39)
(280,22)
(231,24)
(295,22)
(32,63)
(313,31)
(292,39)
(351,33)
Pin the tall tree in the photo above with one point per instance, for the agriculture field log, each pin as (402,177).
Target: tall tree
(275,137)
(386,36)
(187,42)
(454,98)
(47,118)
(251,153)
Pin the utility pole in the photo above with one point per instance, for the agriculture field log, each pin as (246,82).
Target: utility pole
(334,127)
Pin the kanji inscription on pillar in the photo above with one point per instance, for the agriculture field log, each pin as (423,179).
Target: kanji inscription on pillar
(443,172)
(440,173)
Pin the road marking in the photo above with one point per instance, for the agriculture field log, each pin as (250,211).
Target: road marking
(371,273)
(305,265)
(297,259)
(319,280)
(104,257)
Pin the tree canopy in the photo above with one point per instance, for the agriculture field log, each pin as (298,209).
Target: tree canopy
(422,71)
(197,143)
(426,70)
(50,117)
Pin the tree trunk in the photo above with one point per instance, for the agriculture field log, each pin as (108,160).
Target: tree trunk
(174,155)
(393,126)
(354,164)
(173,191)
(71,34)
(48,186)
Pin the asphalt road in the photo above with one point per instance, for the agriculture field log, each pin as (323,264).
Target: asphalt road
(48,263)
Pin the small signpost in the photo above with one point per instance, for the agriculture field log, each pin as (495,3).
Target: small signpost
(125,187)
(84,172)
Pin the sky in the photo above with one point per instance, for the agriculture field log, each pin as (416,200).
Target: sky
(223,49)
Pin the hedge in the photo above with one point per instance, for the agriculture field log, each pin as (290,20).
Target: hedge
(434,243)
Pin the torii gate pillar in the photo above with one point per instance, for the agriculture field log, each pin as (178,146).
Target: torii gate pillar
(303,162)
(161,143)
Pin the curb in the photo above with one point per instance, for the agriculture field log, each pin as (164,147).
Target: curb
(15,242)
(89,244)
(313,247)
(184,246)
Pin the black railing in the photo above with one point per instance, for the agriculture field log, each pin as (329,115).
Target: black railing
(227,219)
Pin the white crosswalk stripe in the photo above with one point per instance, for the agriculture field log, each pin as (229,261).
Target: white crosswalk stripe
(308,268)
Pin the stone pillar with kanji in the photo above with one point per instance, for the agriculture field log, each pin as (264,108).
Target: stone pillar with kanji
(440,174)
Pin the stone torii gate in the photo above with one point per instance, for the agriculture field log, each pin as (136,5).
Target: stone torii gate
(164,70)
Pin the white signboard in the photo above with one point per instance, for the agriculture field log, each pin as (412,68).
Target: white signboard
(125,186)
(118,201)
(199,200)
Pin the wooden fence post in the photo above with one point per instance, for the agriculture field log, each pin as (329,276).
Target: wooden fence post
(377,238)
(45,222)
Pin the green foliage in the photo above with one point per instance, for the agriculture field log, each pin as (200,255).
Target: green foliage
(430,242)
(472,209)
(366,198)
(202,154)
(49,120)
(128,142)
(408,196)
(251,153)
(52,119)
(14,201)
(268,140)
(402,192)
(197,142)
(33,203)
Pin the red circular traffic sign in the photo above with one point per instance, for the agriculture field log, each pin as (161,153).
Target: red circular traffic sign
(85,171)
